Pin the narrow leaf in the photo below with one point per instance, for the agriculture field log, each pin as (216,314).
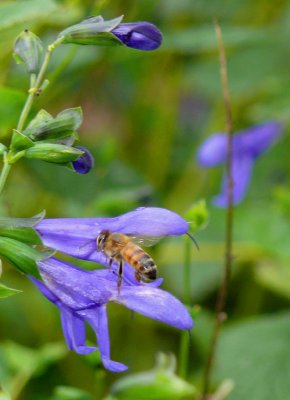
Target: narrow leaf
(6,292)
(7,222)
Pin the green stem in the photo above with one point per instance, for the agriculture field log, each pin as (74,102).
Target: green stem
(185,337)
(224,287)
(4,173)
(34,90)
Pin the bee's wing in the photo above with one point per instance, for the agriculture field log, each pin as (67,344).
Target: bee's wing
(146,241)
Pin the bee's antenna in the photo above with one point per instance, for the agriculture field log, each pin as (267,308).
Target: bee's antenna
(194,241)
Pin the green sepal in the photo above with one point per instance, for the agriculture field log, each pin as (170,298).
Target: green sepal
(22,256)
(28,50)
(6,292)
(7,222)
(93,31)
(53,153)
(24,235)
(20,141)
(44,126)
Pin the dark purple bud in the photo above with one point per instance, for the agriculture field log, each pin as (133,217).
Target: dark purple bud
(139,35)
(84,163)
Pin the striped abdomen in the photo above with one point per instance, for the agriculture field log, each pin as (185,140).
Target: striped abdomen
(144,265)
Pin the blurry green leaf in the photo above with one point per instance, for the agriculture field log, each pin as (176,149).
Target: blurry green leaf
(20,141)
(24,235)
(19,362)
(275,277)
(11,104)
(22,256)
(203,38)
(6,292)
(159,383)
(11,12)
(70,393)
(4,395)
(198,215)
(7,222)
(255,355)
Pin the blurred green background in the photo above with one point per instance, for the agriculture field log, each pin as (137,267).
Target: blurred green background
(145,114)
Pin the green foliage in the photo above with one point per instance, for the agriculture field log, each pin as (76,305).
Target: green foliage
(6,292)
(255,355)
(19,364)
(70,393)
(160,383)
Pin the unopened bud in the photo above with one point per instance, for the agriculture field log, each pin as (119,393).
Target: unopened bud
(53,153)
(28,50)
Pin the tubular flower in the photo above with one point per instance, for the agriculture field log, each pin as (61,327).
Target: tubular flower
(77,236)
(82,297)
(248,145)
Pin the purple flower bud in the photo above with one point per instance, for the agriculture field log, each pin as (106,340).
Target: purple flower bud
(139,35)
(84,163)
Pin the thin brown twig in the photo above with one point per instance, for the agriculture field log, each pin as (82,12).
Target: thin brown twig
(223,291)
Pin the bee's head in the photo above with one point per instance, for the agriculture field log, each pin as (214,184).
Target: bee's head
(101,239)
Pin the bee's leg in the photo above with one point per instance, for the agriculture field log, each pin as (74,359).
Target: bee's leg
(120,275)
(110,263)
(137,276)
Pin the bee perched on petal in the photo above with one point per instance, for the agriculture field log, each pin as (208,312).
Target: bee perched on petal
(121,248)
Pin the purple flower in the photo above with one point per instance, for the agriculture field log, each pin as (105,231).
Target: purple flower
(77,236)
(247,146)
(82,296)
(139,35)
(84,163)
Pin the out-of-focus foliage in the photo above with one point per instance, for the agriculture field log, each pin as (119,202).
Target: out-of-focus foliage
(145,115)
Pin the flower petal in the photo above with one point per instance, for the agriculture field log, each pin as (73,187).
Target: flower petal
(85,162)
(98,319)
(257,139)
(213,151)
(74,332)
(156,304)
(139,35)
(241,172)
(74,287)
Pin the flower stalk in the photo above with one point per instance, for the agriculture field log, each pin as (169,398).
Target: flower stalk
(223,291)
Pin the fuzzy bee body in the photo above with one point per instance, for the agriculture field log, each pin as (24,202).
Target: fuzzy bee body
(121,248)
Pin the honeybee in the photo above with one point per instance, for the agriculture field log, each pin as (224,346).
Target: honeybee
(121,248)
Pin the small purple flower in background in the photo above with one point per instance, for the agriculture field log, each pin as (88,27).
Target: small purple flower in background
(82,296)
(139,35)
(248,145)
(84,163)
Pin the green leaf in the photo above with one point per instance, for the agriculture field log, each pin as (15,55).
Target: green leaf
(24,235)
(11,104)
(255,355)
(13,12)
(19,362)
(70,393)
(6,292)
(7,222)
(159,383)
(20,141)
(22,256)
